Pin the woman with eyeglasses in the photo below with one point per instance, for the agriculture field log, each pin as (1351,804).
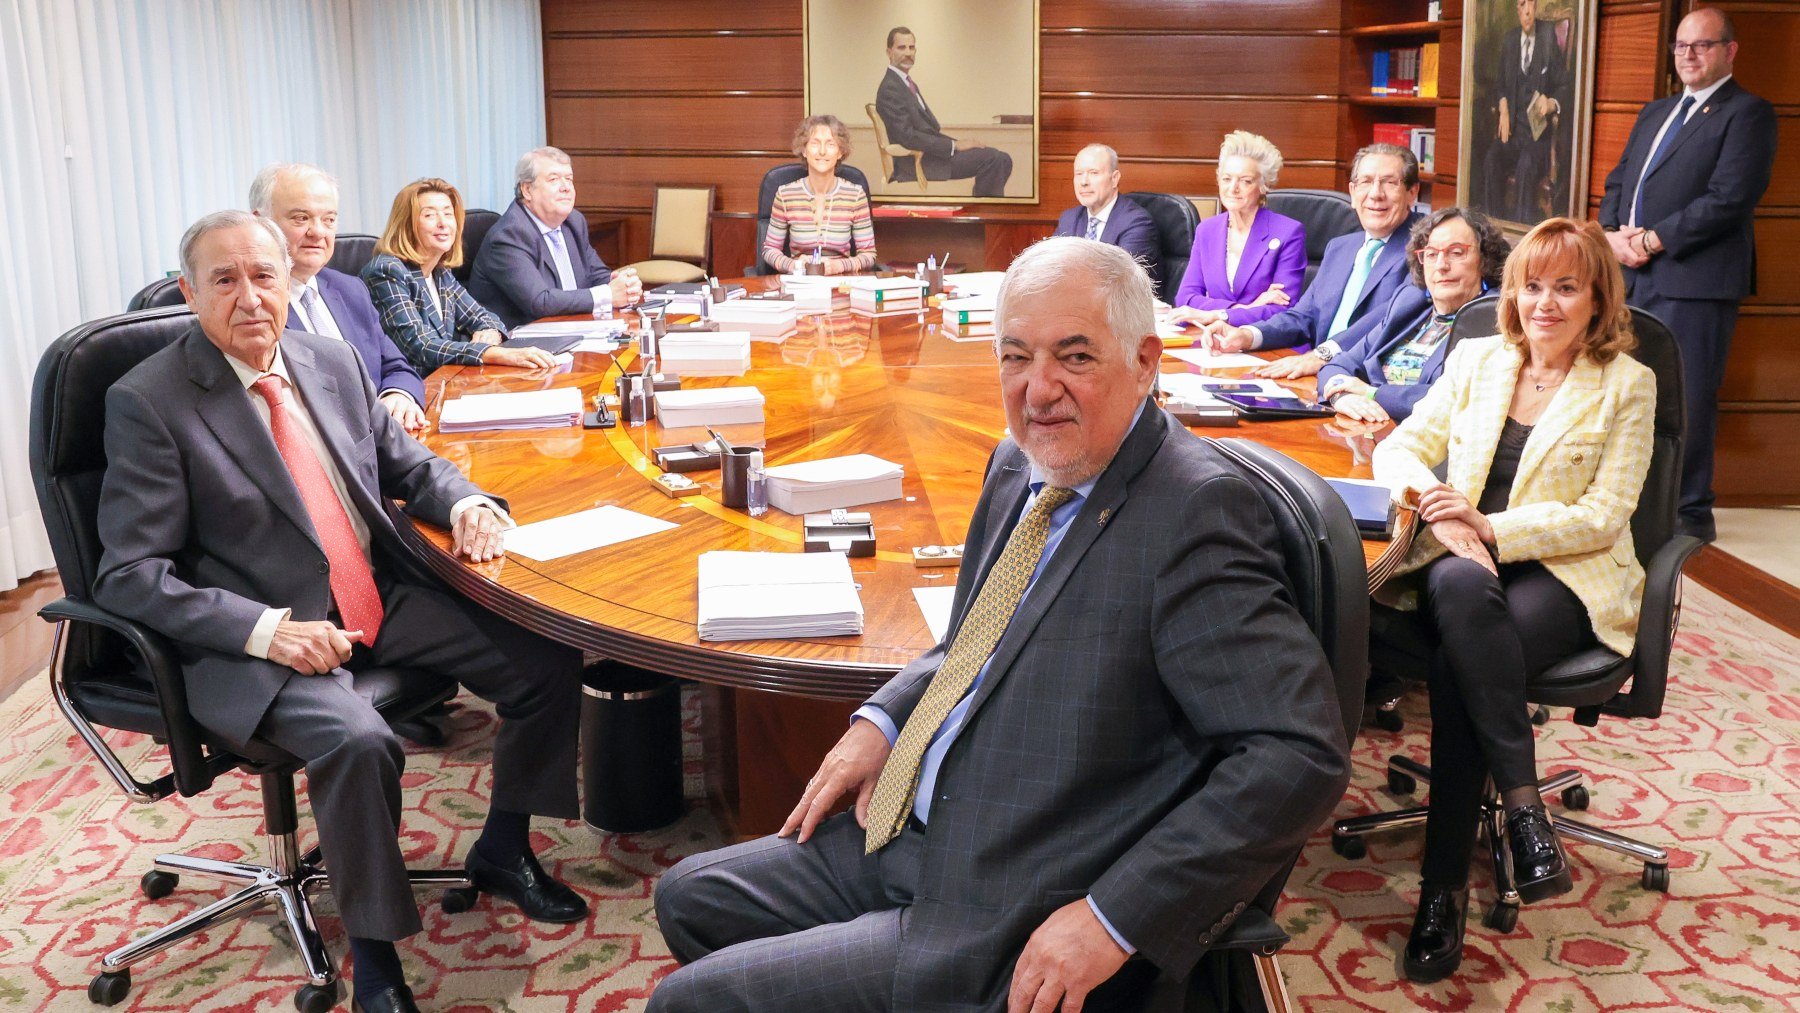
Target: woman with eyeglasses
(427,312)
(1454,255)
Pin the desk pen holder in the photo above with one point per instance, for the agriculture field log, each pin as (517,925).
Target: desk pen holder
(734,476)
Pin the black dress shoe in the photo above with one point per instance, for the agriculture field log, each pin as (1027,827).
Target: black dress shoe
(1540,871)
(398,999)
(1701,528)
(524,882)
(1434,950)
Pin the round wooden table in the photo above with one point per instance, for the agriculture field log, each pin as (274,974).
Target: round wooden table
(901,388)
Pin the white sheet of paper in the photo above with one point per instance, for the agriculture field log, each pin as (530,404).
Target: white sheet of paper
(580,532)
(1207,360)
(1189,387)
(604,346)
(935,602)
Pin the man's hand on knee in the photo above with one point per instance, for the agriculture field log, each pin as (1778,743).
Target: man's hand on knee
(852,765)
(1068,956)
(311,648)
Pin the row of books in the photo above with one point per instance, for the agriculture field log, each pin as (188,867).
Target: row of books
(1422,141)
(1411,70)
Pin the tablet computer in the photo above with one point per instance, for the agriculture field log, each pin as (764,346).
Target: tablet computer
(1256,406)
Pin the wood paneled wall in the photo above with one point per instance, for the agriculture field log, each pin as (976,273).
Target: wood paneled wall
(642,92)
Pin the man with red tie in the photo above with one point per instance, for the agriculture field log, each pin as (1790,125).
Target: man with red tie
(911,124)
(243,516)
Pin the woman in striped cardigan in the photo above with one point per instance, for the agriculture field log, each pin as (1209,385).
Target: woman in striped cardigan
(821,213)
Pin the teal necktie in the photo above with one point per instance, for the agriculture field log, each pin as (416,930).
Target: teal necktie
(1359,275)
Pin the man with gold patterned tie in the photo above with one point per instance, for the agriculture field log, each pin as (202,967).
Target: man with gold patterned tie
(1126,733)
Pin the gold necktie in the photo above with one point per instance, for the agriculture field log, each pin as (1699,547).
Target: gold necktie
(975,639)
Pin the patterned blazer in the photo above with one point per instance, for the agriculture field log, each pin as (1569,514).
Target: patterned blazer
(1578,479)
(411,317)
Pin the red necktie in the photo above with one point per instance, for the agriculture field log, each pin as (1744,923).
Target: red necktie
(352,582)
(915,90)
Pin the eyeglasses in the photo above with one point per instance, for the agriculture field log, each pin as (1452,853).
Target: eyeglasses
(1700,48)
(1455,253)
(1381,183)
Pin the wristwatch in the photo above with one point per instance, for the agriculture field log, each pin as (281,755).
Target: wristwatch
(1325,352)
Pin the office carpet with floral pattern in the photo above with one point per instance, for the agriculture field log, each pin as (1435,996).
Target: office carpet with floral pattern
(1717,779)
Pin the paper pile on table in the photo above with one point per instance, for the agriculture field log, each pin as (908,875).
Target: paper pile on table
(531,409)
(777,595)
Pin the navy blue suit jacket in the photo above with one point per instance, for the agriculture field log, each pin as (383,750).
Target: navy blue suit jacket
(1306,321)
(515,276)
(354,313)
(1700,198)
(1407,312)
(1129,227)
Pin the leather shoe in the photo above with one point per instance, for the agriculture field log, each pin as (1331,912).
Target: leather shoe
(1540,871)
(1702,528)
(398,999)
(1434,950)
(524,882)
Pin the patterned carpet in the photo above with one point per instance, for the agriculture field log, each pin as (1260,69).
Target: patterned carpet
(1717,779)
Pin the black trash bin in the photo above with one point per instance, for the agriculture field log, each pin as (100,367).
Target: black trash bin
(631,748)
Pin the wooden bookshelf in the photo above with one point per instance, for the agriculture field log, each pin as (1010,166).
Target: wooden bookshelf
(1370,26)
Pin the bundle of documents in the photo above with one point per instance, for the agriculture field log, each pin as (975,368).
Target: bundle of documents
(709,406)
(974,283)
(882,297)
(771,595)
(816,486)
(813,293)
(581,532)
(977,309)
(705,353)
(569,335)
(532,409)
(760,318)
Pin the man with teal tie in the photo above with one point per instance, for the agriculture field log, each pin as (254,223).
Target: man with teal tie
(1357,277)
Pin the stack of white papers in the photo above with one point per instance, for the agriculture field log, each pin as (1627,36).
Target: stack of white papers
(810,487)
(813,293)
(582,328)
(579,532)
(974,283)
(773,595)
(532,409)
(705,353)
(709,406)
(761,318)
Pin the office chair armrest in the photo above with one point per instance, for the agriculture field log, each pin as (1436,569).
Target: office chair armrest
(1657,618)
(192,771)
(1255,931)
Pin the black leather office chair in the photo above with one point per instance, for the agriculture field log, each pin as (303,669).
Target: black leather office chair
(109,672)
(1327,214)
(476,223)
(1478,318)
(161,292)
(352,253)
(1322,555)
(774,180)
(1176,221)
(1593,682)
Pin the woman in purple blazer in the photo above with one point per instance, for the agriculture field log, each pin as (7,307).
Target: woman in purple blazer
(1248,263)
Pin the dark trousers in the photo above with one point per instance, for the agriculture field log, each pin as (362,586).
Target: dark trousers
(1702,329)
(990,166)
(353,761)
(1484,636)
(1527,162)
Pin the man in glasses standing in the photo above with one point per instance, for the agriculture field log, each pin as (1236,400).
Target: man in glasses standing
(1678,211)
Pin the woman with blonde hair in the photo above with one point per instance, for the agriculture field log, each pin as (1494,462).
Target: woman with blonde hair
(1546,430)
(1247,263)
(427,312)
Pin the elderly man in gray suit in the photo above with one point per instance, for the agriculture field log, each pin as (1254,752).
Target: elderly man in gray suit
(243,516)
(1127,732)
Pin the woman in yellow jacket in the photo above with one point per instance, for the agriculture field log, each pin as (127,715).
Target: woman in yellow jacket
(1546,429)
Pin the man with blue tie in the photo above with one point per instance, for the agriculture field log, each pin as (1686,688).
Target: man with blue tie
(1678,210)
(1357,277)
(537,261)
(1103,216)
(303,201)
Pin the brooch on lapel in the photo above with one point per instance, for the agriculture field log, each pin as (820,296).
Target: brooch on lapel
(1275,244)
(1104,514)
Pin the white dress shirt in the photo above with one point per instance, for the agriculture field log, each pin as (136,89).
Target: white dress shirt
(565,267)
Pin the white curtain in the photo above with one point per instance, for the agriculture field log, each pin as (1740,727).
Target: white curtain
(121,121)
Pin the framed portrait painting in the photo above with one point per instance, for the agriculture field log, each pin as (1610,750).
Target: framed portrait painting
(1527,108)
(940,97)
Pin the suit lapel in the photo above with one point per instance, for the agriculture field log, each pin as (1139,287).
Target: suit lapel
(1256,247)
(434,314)
(1575,401)
(334,303)
(224,405)
(1695,123)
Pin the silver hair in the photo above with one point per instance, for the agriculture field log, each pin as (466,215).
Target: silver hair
(219,220)
(1255,147)
(262,188)
(1051,263)
(526,171)
(1112,157)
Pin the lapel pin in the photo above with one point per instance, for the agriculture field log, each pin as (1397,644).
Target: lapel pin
(1706,109)
(1275,244)
(1104,514)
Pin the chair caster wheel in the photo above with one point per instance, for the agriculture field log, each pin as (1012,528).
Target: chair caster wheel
(1388,719)
(109,988)
(1349,846)
(1502,918)
(1656,877)
(1401,783)
(1540,716)
(158,884)
(317,998)
(1576,797)
(460,899)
